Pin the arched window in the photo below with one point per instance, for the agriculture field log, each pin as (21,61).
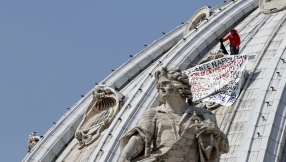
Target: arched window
(201,15)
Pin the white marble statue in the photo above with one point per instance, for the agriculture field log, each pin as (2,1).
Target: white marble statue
(33,140)
(174,131)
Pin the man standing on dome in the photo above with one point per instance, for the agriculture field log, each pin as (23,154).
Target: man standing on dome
(234,41)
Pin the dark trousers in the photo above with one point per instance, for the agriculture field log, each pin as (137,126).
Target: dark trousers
(233,50)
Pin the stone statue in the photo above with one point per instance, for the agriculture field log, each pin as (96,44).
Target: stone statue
(33,140)
(174,131)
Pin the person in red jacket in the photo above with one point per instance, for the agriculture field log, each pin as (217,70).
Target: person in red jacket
(234,41)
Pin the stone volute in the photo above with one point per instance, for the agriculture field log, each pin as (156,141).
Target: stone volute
(105,105)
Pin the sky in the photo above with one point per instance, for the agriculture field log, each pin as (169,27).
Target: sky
(52,52)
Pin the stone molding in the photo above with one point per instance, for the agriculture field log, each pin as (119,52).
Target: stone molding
(200,15)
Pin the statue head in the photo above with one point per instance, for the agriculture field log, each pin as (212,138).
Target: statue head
(171,82)
(103,98)
(98,93)
(32,134)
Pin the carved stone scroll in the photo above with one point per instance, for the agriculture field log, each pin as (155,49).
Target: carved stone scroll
(105,105)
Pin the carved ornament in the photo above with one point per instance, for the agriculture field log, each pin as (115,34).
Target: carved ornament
(105,105)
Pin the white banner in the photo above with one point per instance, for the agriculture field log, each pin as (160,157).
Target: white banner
(218,80)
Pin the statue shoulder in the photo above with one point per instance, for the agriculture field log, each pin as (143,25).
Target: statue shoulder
(151,112)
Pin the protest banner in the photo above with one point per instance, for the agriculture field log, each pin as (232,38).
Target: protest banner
(218,80)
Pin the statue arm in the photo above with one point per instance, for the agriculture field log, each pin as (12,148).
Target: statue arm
(219,136)
(222,142)
(134,147)
(138,138)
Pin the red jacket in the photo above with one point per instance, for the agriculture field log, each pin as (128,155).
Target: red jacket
(234,40)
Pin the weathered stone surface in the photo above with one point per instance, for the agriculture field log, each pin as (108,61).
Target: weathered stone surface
(174,131)
(212,56)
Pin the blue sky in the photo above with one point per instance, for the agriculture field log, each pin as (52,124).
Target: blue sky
(52,52)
